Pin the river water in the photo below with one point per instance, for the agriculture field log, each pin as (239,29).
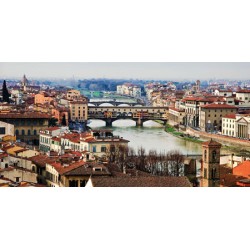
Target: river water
(150,136)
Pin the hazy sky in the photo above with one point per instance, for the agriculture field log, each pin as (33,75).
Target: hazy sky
(157,71)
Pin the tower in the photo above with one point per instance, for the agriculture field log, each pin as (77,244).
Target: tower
(210,170)
(24,83)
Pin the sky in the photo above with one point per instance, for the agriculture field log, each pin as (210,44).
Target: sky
(133,70)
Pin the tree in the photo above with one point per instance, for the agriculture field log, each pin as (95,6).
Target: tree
(64,123)
(6,95)
(53,122)
(175,163)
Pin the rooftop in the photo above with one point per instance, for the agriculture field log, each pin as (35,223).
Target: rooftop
(142,181)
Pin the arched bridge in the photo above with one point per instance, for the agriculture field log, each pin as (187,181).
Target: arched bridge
(115,103)
(139,114)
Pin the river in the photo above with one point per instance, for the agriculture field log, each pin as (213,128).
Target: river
(150,136)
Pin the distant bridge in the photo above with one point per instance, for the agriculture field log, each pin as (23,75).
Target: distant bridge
(110,114)
(115,103)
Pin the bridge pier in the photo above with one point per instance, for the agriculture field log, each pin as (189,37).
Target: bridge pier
(108,122)
(139,123)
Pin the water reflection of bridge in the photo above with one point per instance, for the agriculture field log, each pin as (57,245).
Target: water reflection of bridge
(109,114)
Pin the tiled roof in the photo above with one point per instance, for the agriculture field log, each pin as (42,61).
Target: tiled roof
(218,106)
(31,115)
(88,170)
(151,181)
(231,116)
(211,143)
(61,169)
(243,169)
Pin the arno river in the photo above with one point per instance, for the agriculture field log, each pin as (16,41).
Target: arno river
(150,136)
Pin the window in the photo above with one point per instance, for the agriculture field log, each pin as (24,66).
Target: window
(2,130)
(17,132)
(17,179)
(214,155)
(23,132)
(34,131)
(29,132)
(103,149)
(94,148)
(73,183)
(82,183)
(205,155)
(205,173)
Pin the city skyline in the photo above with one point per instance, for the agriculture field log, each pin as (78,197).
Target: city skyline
(134,70)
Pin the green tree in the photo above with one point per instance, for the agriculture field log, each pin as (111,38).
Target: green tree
(64,123)
(6,95)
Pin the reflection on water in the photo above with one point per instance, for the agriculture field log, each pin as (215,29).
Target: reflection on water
(150,136)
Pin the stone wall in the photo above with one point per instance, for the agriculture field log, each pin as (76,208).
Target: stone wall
(220,138)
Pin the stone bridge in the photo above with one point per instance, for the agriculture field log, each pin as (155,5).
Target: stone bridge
(115,103)
(110,114)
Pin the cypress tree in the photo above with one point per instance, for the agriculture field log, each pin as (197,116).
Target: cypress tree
(63,121)
(6,95)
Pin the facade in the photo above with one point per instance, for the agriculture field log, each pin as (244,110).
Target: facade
(6,129)
(228,125)
(78,110)
(45,137)
(73,94)
(243,95)
(43,97)
(211,116)
(176,116)
(210,168)
(242,127)
(27,124)
(129,89)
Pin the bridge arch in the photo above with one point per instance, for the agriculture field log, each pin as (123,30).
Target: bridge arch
(123,105)
(106,104)
(91,105)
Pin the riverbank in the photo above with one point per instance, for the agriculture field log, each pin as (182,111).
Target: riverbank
(172,130)
(230,144)
(243,150)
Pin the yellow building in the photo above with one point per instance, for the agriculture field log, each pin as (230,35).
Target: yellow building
(27,124)
(78,110)
(73,94)
(211,116)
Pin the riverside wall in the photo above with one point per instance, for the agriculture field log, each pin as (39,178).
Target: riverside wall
(230,141)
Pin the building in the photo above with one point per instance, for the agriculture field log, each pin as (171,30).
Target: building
(43,97)
(129,89)
(45,137)
(73,94)
(243,95)
(211,116)
(176,116)
(27,124)
(6,129)
(228,125)
(78,110)
(242,127)
(210,167)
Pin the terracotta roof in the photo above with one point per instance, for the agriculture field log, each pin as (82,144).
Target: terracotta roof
(89,169)
(41,160)
(243,91)
(218,106)
(151,181)
(231,116)
(243,169)
(31,115)
(61,169)
(211,143)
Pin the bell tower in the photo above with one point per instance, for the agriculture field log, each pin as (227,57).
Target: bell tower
(210,170)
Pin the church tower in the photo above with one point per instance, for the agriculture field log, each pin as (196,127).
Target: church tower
(24,83)
(210,169)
